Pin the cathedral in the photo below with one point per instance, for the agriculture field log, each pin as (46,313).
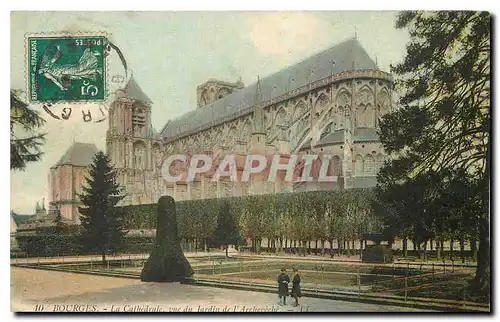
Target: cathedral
(327,104)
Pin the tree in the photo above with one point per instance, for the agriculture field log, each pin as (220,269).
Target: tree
(445,85)
(101,220)
(25,142)
(226,232)
(60,226)
(253,220)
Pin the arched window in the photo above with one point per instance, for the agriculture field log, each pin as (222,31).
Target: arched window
(281,117)
(139,155)
(370,169)
(156,155)
(337,166)
(358,166)
(380,161)
(300,109)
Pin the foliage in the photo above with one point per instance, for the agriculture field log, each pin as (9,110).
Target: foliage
(227,232)
(25,142)
(302,217)
(102,222)
(60,226)
(439,139)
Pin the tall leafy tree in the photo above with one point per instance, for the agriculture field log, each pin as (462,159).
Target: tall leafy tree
(227,232)
(25,141)
(102,222)
(445,122)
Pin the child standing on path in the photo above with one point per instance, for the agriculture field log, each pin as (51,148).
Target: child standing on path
(296,292)
(283,281)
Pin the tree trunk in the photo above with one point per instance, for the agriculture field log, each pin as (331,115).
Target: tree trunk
(316,246)
(451,249)
(425,250)
(438,249)
(103,257)
(473,248)
(482,279)
(431,246)
(405,247)
(268,244)
(462,248)
(227,251)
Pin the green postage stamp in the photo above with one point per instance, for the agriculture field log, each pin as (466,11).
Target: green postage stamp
(66,68)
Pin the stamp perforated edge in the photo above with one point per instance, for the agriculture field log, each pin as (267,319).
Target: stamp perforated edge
(63,34)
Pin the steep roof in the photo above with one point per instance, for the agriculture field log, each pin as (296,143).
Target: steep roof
(134,91)
(345,56)
(79,154)
(359,135)
(365,134)
(18,218)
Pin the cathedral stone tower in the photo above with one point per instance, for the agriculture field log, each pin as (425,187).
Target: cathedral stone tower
(133,145)
(213,90)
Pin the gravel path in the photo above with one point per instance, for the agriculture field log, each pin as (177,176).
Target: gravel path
(67,292)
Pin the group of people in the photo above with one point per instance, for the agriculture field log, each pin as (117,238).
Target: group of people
(284,281)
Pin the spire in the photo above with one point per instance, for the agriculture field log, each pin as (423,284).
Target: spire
(258,93)
(376,62)
(258,118)
(355,32)
(134,91)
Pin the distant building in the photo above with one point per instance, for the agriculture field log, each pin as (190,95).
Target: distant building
(66,180)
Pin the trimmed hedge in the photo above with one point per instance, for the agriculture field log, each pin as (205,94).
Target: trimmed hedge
(342,215)
(301,216)
(67,245)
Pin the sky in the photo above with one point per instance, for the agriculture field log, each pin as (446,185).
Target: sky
(171,53)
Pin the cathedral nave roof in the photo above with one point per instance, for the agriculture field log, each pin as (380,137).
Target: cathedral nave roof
(345,56)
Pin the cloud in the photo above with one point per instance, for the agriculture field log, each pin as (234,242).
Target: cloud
(284,33)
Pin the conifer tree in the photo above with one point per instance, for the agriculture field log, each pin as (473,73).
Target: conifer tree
(25,142)
(444,124)
(101,220)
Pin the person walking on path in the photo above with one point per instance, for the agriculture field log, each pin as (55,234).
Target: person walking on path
(283,281)
(296,292)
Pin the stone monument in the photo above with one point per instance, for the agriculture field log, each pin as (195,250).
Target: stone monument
(167,262)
